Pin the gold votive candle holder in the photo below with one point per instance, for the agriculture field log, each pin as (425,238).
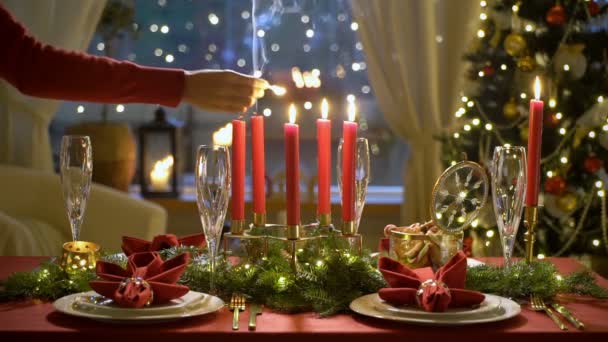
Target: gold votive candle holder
(79,256)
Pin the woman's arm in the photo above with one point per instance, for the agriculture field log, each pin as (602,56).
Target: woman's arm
(42,70)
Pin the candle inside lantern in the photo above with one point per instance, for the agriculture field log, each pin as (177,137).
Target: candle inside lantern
(160,174)
(535,132)
(292,168)
(324,161)
(238,170)
(348,165)
(258,161)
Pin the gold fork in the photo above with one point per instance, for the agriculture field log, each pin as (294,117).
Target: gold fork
(237,304)
(538,304)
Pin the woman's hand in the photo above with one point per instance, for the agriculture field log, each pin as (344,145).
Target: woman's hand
(222,90)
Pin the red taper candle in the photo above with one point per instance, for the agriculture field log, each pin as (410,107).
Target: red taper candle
(348,165)
(324,161)
(258,161)
(292,168)
(238,170)
(535,134)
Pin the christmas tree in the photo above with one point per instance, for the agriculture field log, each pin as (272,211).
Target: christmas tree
(564,42)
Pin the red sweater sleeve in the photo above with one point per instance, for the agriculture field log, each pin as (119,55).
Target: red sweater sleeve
(41,70)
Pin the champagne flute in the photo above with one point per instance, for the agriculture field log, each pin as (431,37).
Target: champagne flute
(362,175)
(212,195)
(508,189)
(76,161)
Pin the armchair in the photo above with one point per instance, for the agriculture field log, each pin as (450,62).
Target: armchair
(33,219)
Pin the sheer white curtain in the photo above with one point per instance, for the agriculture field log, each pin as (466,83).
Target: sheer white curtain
(414,54)
(24,120)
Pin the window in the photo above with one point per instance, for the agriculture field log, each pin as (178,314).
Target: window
(308,46)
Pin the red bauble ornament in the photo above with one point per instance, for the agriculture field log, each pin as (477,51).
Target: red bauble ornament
(555,185)
(593,8)
(593,164)
(488,70)
(556,15)
(551,119)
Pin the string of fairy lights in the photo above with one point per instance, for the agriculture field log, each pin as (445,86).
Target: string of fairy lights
(470,115)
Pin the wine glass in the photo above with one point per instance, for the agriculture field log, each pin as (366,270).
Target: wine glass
(362,175)
(508,188)
(76,171)
(212,195)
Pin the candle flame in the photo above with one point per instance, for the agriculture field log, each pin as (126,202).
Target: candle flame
(296,75)
(306,79)
(159,176)
(278,90)
(537,88)
(223,136)
(324,108)
(292,113)
(352,110)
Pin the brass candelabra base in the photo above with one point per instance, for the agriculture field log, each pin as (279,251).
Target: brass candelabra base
(530,222)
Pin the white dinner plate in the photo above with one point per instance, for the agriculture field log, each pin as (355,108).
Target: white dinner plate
(190,305)
(492,309)
(474,262)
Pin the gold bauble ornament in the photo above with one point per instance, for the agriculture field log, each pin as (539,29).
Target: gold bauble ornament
(567,203)
(526,63)
(510,110)
(515,44)
(523,133)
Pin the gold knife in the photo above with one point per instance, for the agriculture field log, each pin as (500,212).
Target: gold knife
(254,311)
(566,313)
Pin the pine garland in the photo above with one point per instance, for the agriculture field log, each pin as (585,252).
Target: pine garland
(326,281)
(540,278)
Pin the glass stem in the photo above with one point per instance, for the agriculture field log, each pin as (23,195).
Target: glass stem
(75,225)
(212,245)
(507,247)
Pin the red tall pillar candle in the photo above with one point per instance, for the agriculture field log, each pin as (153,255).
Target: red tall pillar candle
(324,161)
(348,165)
(238,170)
(292,168)
(258,161)
(535,134)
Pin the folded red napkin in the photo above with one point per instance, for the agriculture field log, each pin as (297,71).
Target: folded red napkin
(147,280)
(438,291)
(131,245)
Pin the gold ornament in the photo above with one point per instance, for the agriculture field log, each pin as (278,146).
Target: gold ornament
(510,110)
(526,63)
(567,203)
(523,133)
(515,44)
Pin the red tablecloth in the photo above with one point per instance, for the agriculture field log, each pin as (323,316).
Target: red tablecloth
(21,321)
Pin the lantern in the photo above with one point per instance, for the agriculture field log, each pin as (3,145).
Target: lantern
(158,171)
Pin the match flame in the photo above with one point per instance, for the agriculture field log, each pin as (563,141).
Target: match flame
(292,113)
(352,110)
(278,90)
(537,88)
(324,108)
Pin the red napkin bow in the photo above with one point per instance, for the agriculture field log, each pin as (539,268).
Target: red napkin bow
(147,280)
(131,245)
(433,292)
